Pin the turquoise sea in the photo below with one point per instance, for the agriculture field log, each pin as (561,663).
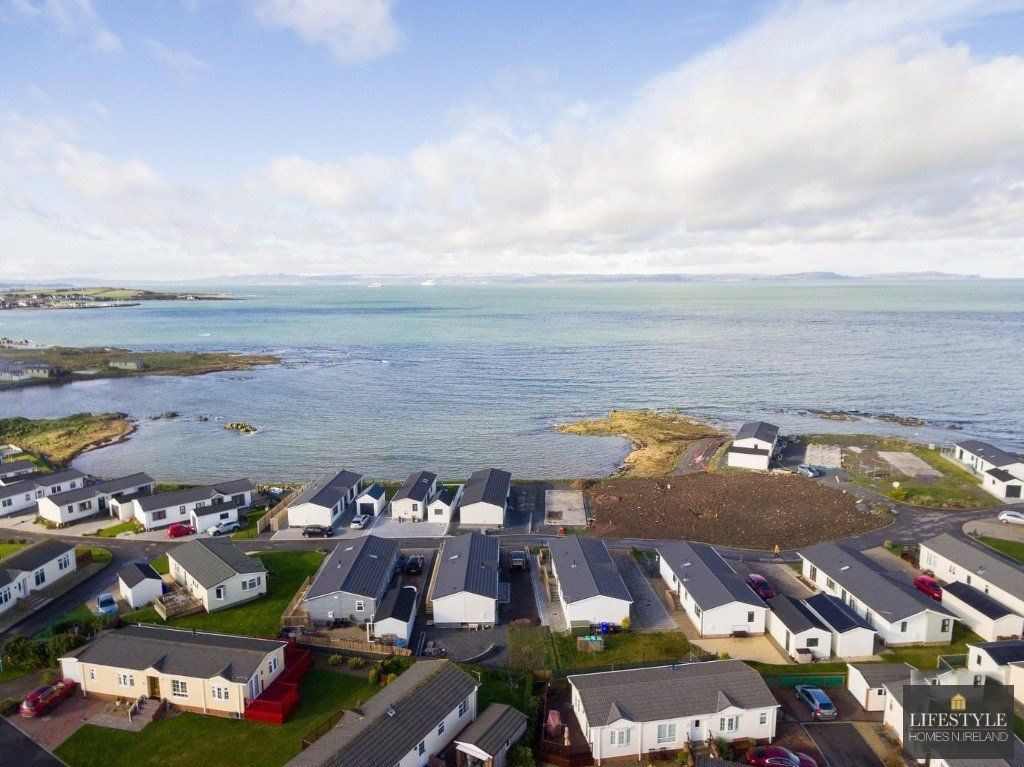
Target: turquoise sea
(390,379)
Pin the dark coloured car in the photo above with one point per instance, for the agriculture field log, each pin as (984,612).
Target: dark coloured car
(777,756)
(180,530)
(317,531)
(761,586)
(415,565)
(817,701)
(518,560)
(928,585)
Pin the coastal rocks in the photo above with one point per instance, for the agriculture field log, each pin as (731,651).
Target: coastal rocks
(170,415)
(859,415)
(240,427)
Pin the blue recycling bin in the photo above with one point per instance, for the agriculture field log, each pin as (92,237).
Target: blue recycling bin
(605,628)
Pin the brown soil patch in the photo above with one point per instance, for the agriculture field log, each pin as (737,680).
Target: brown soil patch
(747,510)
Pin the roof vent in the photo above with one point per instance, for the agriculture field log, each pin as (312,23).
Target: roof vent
(349,548)
(391,711)
(453,557)
(845,567)
(687,563)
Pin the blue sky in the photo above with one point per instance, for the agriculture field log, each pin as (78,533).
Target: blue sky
(211,137)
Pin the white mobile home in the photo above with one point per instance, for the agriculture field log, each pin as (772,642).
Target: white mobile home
(754,446)
(899,613)
(993,660)
(662,708)
(75,505)
(323,501)
(797,630)
(852,635)
(217,573)
(139,584)
(26,493)
(989,619)
(161,510)
(951,558)
(589,585)
(396,616)
(14,471)
(866,682)
(34,568)
(1001,472)
(485,498)
(465,589)
(714,596)
(410,501)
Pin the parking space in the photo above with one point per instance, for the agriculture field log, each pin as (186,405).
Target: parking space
(846,705)
(649,610)
(842,745)
(793,736)
(993,528)
(60,724)
(784,579)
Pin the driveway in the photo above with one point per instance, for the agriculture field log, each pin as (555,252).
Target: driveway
(842,745)
(17,748)
(60,724)
(648,610)
(847,706)
(993,528)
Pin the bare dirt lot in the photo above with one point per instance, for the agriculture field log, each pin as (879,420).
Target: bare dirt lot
(741,509)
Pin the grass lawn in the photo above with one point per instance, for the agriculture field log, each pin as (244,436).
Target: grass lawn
(129,526)
(249,531)
(533,648)
(928,657)
(161,565)
(1013,549)
(261,617)
(193,739)
(6,549)
(10,673)
(61,439)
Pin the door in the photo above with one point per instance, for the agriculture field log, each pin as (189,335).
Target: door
(696,731)
(154,686)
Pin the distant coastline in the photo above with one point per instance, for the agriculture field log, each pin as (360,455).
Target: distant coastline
(27,299)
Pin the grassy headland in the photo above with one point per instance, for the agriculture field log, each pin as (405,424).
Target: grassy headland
(76,364)
(658,439)
(89,298)
(58,440)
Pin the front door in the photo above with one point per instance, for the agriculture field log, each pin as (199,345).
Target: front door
(696,731)
(154,686)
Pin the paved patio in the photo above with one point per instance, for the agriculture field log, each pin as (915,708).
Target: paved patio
(564,508)
(759,648)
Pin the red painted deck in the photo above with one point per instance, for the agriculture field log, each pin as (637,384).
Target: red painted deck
(279,701)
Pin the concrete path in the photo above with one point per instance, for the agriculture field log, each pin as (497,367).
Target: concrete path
(648,611)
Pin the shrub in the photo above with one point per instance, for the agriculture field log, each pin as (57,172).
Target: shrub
(520,756)
(24,653)
(8,707)
(374,676)
(334,660)
(49,676)
(626,623)
(356,662)
(684,759)
(60,645)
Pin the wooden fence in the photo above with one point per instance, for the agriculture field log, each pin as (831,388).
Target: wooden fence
(274,519)
(295,616)
(366,648)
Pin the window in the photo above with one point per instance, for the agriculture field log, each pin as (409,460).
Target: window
(159,515)
(56,489)
(179,688)
(750,617)
(763,719)
(360,605)
(945,625)
(438,512)
(696,611)
(829,583)
(620,737)
(40,576)
(125,680)
(813,573)
(220,693)
(220,592)
(415,507)
(903,627)
(440,729)
(272,665)
(421,748)
(812,641)
(7,502)
(250,584)
(64,562)
(5,596)
(463,707)
(728,724)
(667,732)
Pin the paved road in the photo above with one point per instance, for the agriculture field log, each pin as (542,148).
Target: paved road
(842,745)
(18,749)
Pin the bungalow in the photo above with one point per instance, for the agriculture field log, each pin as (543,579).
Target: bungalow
(410,502)
(485,498)
(139,584)
(11,470)
(714,596)
(195,671)
(852,636)
(662,708)
(76,505)
(1016,761)
(217,573)
(866,681)
(892,716)
(998,661)
(202,507)
(465,589)
(950,559)
(1001,472)
(396,616)
(351,581)
(754,446)
(407,723)
(324,500)
(989,619)
(486,741)
(589,585)
(899,613)
(442,503)
(27,492)
(797,630)
(371,501)
(16,371)
(34,568)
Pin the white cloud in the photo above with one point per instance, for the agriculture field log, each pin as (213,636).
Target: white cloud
(183,63)
(73,18)
(354,30)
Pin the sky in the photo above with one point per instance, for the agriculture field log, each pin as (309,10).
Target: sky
(178,139)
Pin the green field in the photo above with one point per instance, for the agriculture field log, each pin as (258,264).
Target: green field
(58,440)
(1014,549)
(190,739)
(130,526)
(261,617)
(533,648)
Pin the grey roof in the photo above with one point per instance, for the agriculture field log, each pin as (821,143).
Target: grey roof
(10,467)
(981,561)
(58,477)
(795,615)
(994,455)
(748,450)
(374,491)
(495,727)
(362,566)
(1005,652)
(487,486)
(416,487)
(708,578)
(1003,475)
(327,490)
(216,508)
(193,494)
(467,562)
(17,488)
(978,600)
(137,572)
(443,494)
(28,559)
(119,484)
(1016,761)
(585,569)
(398,603)
(670,692)
(887,594)
(108,487)
(877,674)
(837,614)
(766,432)
(394,720)
(180,652)
(213,560)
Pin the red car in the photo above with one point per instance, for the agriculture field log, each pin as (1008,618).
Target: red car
(760,585)
(42,699)
(928,585)
(180,530)
(777,756)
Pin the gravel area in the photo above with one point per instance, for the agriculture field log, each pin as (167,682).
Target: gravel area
(648,610)
(744,509)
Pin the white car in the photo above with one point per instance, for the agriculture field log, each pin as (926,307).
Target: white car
(359,521)
(1009,517)
(222,529)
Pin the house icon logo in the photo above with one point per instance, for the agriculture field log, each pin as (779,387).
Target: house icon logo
(958,703)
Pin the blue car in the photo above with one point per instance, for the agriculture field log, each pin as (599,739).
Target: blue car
(105,604)
(817,701)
